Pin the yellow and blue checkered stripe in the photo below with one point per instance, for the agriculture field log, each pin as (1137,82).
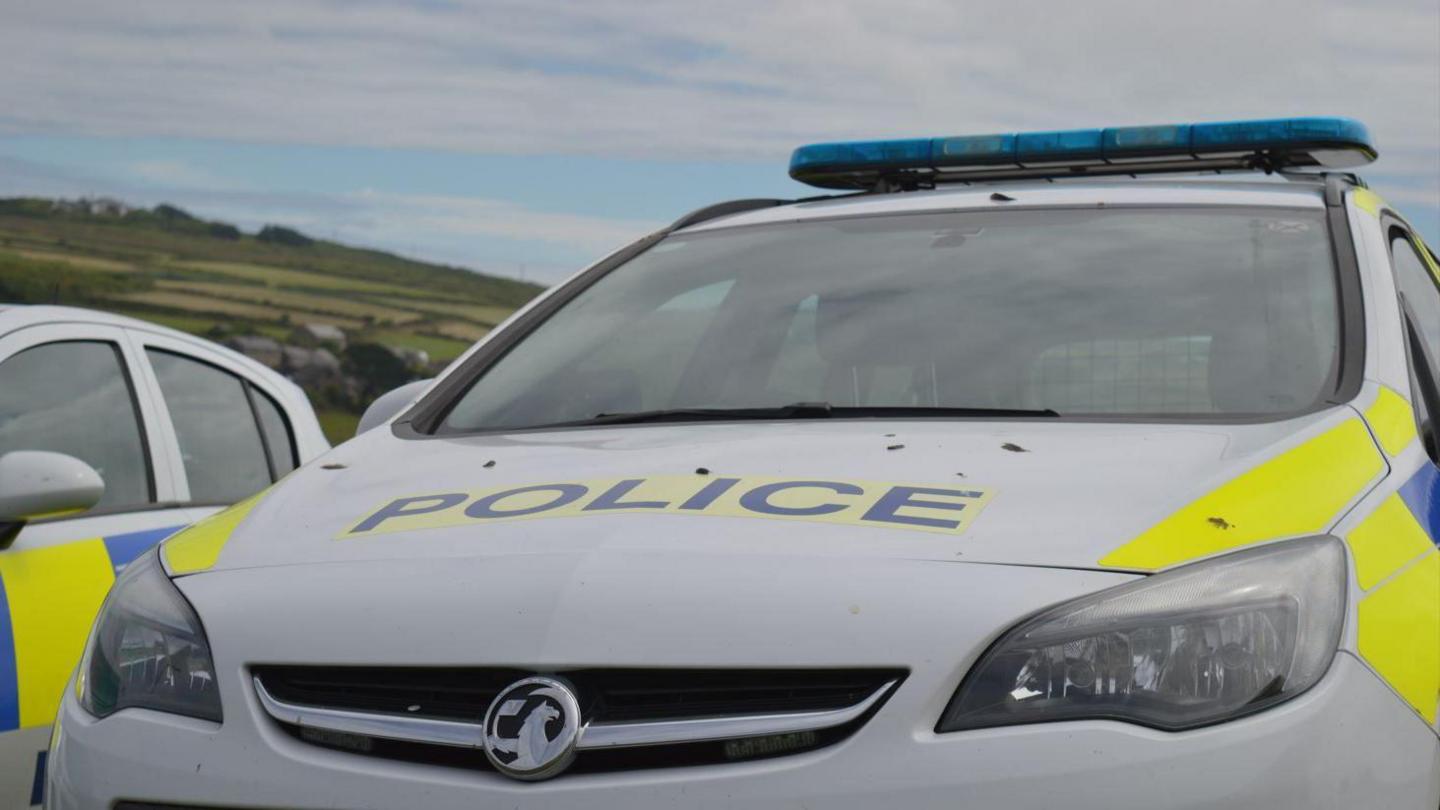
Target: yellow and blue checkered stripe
(1396,549)
(1302,491)
(9,693)
(48,600)
(1298,492)
(1422,495)
(1397,565)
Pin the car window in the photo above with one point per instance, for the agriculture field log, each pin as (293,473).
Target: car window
(277,435)
(1417,287)
(219,437)
(75,398)
(633,368)
(1418,291)
(1168,374)
(800,370)
(1117,312)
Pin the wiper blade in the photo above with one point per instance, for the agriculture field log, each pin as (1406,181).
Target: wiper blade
(803,410)
(900,411)
(799,410)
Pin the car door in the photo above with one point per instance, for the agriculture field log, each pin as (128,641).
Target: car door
(1417,280)
(229,433)
(177,428)
(70,388)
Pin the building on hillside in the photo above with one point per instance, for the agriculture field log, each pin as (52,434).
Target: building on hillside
(108,206)
(312,335)
(96,206)
(257,347)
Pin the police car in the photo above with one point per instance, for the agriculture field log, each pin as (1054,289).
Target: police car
(1018,474)
(114,433)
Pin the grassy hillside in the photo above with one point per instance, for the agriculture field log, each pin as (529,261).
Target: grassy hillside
(209,278)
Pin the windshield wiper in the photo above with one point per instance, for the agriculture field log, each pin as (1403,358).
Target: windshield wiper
(940,411)
(800,410)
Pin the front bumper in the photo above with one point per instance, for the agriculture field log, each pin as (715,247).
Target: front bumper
(1349,742)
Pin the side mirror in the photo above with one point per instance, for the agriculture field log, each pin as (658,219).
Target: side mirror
(390,403)
(35,484)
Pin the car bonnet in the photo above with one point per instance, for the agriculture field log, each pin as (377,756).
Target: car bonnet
(1039,492)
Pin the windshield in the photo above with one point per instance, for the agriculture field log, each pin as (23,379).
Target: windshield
(1137,312)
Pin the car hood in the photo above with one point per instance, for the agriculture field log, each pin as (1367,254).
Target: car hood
(1038,492)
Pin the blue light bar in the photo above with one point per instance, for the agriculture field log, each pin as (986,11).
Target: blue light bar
(896,154)
(976,150)
(1049,147)
(1163,139)
(1267,145)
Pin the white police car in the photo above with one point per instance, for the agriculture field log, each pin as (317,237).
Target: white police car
(1019,493)
(114,434)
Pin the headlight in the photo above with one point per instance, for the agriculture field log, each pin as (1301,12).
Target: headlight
(148,650)
(1195,645)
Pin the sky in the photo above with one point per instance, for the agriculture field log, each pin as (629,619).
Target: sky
(530,137)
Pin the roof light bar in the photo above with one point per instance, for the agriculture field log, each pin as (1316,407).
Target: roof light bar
(1266,145)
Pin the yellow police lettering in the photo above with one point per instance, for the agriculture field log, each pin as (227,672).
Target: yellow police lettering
(891,505)
(888,509)
(550,496)
(758,499)
(420,505)
(612,498)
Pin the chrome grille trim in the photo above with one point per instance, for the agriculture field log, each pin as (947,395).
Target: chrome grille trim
(371,724)
(711,729)
(592,736)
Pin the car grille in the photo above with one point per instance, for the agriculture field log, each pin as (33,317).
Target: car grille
(606,696)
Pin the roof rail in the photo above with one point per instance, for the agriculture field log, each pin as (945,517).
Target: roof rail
(722,209)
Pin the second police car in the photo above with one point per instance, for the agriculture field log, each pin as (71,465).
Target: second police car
(114,434)
(968,489)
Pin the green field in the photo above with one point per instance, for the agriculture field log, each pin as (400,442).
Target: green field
(209,279)
(323,304)
(173,271)
(338,425)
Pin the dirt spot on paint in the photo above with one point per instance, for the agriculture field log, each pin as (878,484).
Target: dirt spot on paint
(1014,448)
(1220,523)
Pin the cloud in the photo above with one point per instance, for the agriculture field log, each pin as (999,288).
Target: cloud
(177,173)
(1416,196)
(470,216)
(743,79)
